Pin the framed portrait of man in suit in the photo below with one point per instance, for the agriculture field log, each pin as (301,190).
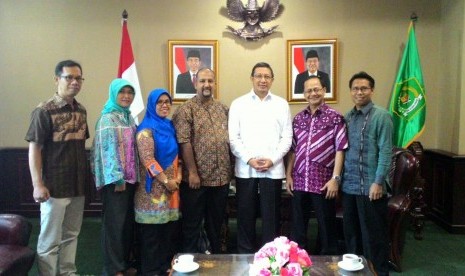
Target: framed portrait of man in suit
(312,57)
(186,57)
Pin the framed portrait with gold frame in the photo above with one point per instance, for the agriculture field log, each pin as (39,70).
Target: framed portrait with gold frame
(185,58)
(311,57)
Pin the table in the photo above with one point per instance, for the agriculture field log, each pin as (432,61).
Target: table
(238,265)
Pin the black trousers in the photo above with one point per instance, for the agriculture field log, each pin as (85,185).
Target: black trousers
(117,228)
(366,229)
(247,190)
(156,247)
(325,211)
(206,204)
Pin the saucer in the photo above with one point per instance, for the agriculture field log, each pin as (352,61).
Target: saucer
(186,268)
(344,266)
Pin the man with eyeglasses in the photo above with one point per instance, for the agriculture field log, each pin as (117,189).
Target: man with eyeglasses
(314,166)
(202,131)
(260,133)
(312,62)
(58,166)
(366,172)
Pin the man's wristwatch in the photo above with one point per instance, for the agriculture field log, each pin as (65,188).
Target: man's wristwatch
(337,178)
(165,181)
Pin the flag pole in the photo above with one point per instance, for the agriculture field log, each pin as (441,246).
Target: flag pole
(125,15)
(408,103)
(413,18)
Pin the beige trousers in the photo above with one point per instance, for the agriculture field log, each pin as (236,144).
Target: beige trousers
(60,223)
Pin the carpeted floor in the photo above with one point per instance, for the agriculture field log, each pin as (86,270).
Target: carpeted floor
(439,253)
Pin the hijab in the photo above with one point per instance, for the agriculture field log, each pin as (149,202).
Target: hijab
(112,103)
(164,134)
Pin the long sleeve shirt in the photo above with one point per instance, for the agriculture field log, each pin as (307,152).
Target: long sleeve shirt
(160,205)
(260,129)
(368,158)
(114,155)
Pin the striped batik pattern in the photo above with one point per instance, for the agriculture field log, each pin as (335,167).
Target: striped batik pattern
(316,139)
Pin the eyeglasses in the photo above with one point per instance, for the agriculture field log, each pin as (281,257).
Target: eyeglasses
(316,90)
(161,103)
(70,78)
(266,77)
(362,89)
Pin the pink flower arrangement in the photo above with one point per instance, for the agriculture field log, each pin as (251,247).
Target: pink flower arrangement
(281,257)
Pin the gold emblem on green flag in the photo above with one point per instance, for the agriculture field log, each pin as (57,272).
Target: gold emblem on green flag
(410,99)
(408,103)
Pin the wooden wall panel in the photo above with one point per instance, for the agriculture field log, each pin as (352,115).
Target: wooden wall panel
(444,173)
(16,186)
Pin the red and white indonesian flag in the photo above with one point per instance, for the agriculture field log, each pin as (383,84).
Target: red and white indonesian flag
(127,70)
(179,61)
(179,68)
(298,66)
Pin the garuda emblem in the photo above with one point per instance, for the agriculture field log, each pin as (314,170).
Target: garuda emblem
(252,16)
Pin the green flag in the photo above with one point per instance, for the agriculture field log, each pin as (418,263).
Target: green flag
(408,103)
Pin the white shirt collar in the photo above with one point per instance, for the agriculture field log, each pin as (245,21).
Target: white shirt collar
(255,97)
(313,74)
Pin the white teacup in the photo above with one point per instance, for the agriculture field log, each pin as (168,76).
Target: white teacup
(184,260)
(351,260)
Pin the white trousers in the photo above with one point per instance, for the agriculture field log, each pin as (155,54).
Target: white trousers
(60,223)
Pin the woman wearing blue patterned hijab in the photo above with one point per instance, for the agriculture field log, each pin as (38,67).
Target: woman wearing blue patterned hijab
(157,200)
(163,132)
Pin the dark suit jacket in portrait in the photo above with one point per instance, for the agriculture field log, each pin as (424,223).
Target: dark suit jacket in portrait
(302,77)
(184,84)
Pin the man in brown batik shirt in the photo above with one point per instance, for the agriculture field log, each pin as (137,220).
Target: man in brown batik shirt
(58,166)
(202,131)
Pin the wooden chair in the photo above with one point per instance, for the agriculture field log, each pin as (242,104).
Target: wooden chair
(405,168)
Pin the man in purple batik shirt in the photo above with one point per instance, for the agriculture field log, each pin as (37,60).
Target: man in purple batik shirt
(314,166)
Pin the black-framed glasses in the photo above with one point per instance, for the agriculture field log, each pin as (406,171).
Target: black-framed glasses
(362,89)
(70,78)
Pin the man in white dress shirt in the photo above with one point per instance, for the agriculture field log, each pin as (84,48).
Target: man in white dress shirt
(260,134)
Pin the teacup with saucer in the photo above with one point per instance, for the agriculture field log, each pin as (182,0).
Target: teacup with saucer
(351,262)
(185,263)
